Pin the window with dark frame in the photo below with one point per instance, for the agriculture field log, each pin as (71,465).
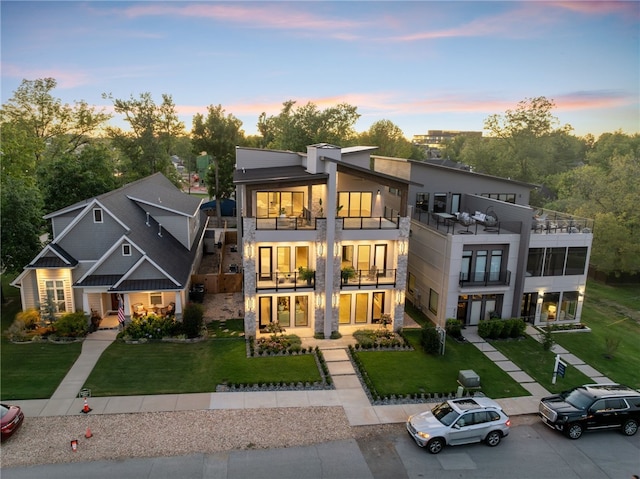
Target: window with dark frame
(97,215)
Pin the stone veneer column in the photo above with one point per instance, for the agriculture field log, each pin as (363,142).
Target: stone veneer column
(321,269)
(249,269)
(401,274)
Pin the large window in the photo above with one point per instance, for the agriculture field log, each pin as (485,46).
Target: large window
(554,261)
(434,298)
(277,203)
(576,260)
(55,295)
(355,203)
(422,201)
(440,203)
(480,265)
(557,261)
(535,261)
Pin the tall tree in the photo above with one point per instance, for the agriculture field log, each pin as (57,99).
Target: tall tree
(607,193)
(36,125)
(21,223)
(296,128)
(218,135)
(522,133)
(74,177)
(147,147)
(389,139)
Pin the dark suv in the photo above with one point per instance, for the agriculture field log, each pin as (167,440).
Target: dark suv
(592,407)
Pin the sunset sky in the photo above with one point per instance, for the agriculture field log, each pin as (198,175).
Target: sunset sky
(424,65)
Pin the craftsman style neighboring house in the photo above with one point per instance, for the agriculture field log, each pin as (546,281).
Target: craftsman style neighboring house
(134,247)
(478,250)
(325,249)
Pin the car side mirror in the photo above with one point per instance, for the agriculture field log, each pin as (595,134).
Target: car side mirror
(456,426)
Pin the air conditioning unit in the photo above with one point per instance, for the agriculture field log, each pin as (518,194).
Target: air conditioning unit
(468,378)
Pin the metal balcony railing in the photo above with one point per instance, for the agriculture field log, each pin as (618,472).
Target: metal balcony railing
(503,278)
(290,280)
(368,277)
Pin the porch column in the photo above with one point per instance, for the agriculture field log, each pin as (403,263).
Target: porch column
(178,301)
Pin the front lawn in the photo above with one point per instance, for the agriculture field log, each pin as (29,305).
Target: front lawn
(529,355)
(416,372)
(164,368)
(34,370)
(613,314)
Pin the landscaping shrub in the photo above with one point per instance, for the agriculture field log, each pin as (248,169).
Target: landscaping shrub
(484,329)
(150,327)
(72,325)
(192,319)
(454,328)
(518,328)
(29,317)
(507,326)
(17,331)
(430,341)
(496,326)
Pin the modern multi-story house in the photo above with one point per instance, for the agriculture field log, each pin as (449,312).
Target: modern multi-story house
(134,248)
(324,244)
(477,249)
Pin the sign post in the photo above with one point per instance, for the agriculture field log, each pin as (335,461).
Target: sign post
(559,369)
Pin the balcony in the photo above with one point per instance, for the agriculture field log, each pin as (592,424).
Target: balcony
(288,280)
(368,278)
(552,222)
(485,279)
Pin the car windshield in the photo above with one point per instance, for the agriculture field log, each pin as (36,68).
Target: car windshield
(577,398)
(445,414)
(3,410)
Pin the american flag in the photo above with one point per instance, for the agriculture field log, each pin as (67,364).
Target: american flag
(120,310)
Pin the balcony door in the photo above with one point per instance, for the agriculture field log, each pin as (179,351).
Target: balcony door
(265,263)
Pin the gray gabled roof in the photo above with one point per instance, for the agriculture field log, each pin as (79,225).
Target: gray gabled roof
(129,205)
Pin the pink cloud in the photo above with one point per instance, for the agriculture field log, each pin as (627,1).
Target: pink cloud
(66,79)
(625,9)
(252,14)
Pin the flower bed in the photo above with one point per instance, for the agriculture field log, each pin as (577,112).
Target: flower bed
(565,328)
(380,339)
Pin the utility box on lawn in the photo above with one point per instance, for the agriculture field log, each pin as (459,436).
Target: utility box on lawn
(468,378)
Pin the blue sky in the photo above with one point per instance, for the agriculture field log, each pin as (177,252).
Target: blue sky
(424,65)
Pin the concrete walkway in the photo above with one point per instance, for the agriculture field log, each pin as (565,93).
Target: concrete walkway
(348,391)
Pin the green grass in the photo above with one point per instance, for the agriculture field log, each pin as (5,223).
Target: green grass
(34,370)
(163,368)
(409,372)
(611,313)
(529,355)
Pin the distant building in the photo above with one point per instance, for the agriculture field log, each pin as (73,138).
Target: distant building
(433,141)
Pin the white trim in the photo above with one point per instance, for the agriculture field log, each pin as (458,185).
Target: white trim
(98,212)
(108,254)
(82,214)
(161,207)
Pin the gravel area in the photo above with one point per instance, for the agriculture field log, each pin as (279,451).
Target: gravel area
(47,440)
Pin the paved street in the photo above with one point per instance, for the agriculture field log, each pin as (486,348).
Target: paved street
(531,451)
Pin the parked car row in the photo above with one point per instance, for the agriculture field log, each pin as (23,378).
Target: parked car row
(590,407)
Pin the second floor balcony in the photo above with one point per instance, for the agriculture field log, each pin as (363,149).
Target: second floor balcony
(501,278)
(373,277)
(289,280)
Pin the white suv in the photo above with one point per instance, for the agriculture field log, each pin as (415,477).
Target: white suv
(459,421)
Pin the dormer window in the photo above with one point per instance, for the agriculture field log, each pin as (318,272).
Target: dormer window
(97,215)
(126,250)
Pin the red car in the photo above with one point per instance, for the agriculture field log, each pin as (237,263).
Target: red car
(12,418)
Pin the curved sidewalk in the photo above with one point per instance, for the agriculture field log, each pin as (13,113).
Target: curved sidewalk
(348,391)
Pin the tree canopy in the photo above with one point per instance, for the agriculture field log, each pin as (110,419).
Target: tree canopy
(296,128)
(147,146)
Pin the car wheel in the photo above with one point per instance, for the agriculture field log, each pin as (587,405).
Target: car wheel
(435,445)
(573,430)
(493,438)
(630,427)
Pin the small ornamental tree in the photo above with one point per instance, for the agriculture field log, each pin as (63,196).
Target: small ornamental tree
(192,319)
